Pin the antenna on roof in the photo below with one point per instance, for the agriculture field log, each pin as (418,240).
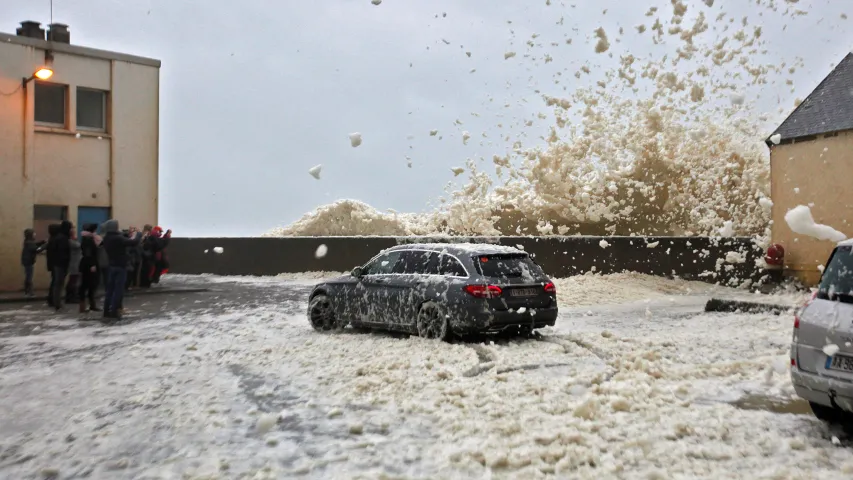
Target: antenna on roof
(51,12)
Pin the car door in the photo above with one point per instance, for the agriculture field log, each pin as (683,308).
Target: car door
(409,286)
(370,294)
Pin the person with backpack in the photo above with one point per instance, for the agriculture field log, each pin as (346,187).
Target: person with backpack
(29,251)
(90,244)
(115,244)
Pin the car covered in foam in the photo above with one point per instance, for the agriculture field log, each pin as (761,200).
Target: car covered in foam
(439,290)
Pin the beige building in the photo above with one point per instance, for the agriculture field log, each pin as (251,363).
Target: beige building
(80,145)
(812,165)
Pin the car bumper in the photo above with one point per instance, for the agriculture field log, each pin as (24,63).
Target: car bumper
(475,319)
(822,389)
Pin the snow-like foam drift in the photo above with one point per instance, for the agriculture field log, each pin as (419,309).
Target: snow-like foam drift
(660,144)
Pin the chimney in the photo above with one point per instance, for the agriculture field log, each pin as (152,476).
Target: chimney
(30,29)
(58,33)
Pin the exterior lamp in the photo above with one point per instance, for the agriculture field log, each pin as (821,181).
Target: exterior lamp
(43,73)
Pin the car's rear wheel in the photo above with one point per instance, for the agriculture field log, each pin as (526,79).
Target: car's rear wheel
(832,415)
(432,322)
(321,315)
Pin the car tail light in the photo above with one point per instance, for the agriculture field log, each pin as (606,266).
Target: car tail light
(796,321)
(483,291)
(550,288)
(793,363)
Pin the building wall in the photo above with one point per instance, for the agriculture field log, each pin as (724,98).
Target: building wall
(821,169)
(52,166)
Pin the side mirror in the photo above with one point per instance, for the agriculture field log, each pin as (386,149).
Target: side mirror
(356,272)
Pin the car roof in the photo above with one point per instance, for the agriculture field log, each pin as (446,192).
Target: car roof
(471,249)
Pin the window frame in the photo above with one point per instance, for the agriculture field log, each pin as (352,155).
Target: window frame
(65,98)
(405,258)
(374,260)
(104,107)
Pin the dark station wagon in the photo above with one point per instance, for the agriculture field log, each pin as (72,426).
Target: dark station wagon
(439,290)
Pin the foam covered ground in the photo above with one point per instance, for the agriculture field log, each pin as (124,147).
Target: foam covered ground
(235,384)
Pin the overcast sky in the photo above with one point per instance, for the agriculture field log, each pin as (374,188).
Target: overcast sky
(254,93)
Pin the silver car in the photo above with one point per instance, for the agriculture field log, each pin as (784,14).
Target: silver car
(822,348)
(438,290)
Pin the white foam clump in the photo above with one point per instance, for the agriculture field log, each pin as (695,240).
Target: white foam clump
(652,244)
(508,55)
(775,138)
(727,229)
(735,257)
(321,251)
(433,132)
(457,171)
(376,2)
(800,220)
(766,204)
(830,349)
(348,218)
(603,244)
(465,137)
(355,139)
(218,250)
(315,171)
(266,422)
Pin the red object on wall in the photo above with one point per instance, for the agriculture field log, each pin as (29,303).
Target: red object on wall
(775,255)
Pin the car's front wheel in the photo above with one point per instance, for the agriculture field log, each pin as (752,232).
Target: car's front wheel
(432,322)
(321,315)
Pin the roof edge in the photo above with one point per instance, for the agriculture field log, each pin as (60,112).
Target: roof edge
(805,100)
(78,50)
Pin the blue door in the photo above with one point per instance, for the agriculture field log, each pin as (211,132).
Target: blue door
(96,215)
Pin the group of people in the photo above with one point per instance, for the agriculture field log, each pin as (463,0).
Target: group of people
(120,259)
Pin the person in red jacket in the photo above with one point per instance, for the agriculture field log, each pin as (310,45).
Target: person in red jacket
(154,253)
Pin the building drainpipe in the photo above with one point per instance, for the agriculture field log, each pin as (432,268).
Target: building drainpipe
(111,131)
(25,131)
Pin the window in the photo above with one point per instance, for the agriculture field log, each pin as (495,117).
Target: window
(50,104)
(44,216)
(837,281)
(382,265)
(416,262)
(509,266)
(91,109)
(451,267)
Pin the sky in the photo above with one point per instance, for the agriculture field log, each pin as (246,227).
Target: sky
(254,93)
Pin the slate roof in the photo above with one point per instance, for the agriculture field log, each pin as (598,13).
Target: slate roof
(829,108)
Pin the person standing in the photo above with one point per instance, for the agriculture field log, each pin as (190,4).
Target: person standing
(135,256)
(147,264)
(115,244)
(59,249)
(29,252)
(90,244)
(71,289)
(52,232)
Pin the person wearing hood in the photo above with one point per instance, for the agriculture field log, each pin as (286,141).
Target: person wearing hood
(29,252)
(59,258)
(90,244)
(52,232)
(115,244)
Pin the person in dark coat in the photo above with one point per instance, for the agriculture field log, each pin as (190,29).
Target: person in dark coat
(155,245)
(116,245)
(73,286)
(59,251)
(147,263)
(134,258)
(90,244)
(29,252)
(52,232)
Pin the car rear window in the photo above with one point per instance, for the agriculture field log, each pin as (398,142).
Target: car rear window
(508,266)
(837,280)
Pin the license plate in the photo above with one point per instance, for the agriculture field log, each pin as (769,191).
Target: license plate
(840,362)
(523,292)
